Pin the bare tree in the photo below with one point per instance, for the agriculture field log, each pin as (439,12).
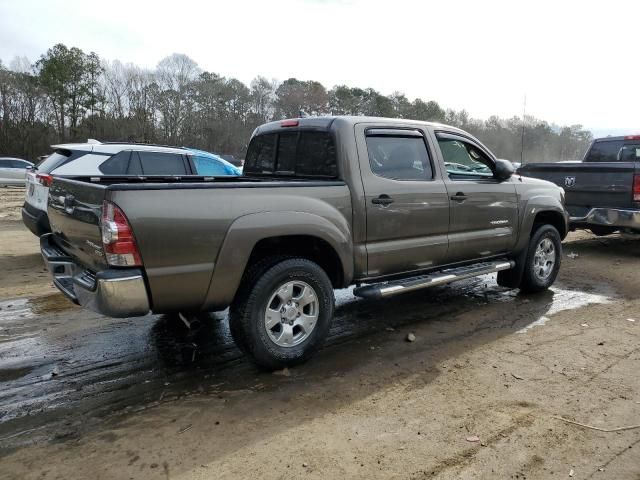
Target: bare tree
(70,94)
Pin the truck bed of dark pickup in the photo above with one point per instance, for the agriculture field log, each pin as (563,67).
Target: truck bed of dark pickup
(602,191)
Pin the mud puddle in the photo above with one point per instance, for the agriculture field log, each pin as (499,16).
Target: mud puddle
(566,299)
(58,361)
(24,308)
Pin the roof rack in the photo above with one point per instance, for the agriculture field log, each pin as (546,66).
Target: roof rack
(143,144)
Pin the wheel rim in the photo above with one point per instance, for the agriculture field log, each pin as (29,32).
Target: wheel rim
(544,259)
(291,314)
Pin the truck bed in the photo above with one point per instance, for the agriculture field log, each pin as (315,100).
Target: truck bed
(590,185)
(180,226)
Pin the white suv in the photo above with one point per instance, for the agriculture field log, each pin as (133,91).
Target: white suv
(97,159)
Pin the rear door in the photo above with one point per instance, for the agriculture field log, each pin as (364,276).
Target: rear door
(406,200)
(484,210)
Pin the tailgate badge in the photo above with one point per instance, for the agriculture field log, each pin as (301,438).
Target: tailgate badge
(569,181)
(95,246)
(69,204)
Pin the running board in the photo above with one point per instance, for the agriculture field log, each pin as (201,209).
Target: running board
(395,287)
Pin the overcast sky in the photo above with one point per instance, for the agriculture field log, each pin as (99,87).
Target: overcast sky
(576,61)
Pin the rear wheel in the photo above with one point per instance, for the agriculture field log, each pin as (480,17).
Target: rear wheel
(542,263)
(285,313)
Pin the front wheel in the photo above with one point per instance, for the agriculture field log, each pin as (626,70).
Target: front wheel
(543,259)
(285,314)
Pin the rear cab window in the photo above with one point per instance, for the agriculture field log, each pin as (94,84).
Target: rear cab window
(296,153)
(604,151)
(630,153)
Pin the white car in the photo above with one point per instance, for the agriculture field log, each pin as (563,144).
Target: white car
(13,171)
(96,159)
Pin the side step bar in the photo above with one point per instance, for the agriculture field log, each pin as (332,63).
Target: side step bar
(395,287)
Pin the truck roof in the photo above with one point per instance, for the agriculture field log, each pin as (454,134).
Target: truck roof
(325,122)
(618,138)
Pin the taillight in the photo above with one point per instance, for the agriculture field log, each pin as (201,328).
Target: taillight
(117,237)
(636,187)
(44,179)
(289,123)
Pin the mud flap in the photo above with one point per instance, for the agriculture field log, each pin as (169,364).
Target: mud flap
(513,278)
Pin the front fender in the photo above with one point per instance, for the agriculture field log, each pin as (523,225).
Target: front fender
(246,231)
(533,206)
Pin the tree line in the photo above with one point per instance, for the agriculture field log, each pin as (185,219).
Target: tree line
(68,95)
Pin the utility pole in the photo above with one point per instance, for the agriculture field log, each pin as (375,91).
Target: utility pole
(524,111)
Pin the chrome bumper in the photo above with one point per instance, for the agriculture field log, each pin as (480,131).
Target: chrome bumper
(610,217)
(114,293)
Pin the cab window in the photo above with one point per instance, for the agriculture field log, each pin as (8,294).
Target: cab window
(463,160)
(399,157)
(630,153)
(292,153)
(604,151)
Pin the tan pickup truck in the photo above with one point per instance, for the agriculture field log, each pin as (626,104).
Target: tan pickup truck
(387,205)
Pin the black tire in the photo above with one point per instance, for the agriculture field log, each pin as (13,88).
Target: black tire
(247,314)
(532,282)
(249,279)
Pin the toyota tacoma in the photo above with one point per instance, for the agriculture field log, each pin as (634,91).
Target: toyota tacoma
(386,205)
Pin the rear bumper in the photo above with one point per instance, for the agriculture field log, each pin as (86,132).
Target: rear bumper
(114,293)
(609,217)
(35,220)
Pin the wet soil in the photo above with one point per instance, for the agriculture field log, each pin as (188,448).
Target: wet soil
(84,396)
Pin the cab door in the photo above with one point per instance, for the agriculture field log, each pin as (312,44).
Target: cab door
(407,204)
(484,210)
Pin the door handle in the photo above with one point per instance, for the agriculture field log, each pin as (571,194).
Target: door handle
(383,200)
(459,197)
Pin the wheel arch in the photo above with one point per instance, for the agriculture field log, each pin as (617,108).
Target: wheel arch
(553,218)
(537,210)
(253,237)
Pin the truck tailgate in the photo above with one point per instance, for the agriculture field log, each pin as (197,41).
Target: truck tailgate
(74,212)
(588,185)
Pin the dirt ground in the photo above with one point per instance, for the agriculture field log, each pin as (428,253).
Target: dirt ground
(481,392)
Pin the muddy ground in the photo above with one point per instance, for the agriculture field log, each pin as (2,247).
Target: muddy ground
(83,396)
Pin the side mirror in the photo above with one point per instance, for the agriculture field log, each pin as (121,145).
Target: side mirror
(504,169)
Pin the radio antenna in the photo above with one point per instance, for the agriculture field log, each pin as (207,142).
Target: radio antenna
(524,111)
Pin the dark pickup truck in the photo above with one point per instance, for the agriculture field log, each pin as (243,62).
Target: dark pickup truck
(602,191)
(387,205)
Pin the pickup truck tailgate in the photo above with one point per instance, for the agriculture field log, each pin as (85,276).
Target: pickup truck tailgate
(74,212)
(590,184)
